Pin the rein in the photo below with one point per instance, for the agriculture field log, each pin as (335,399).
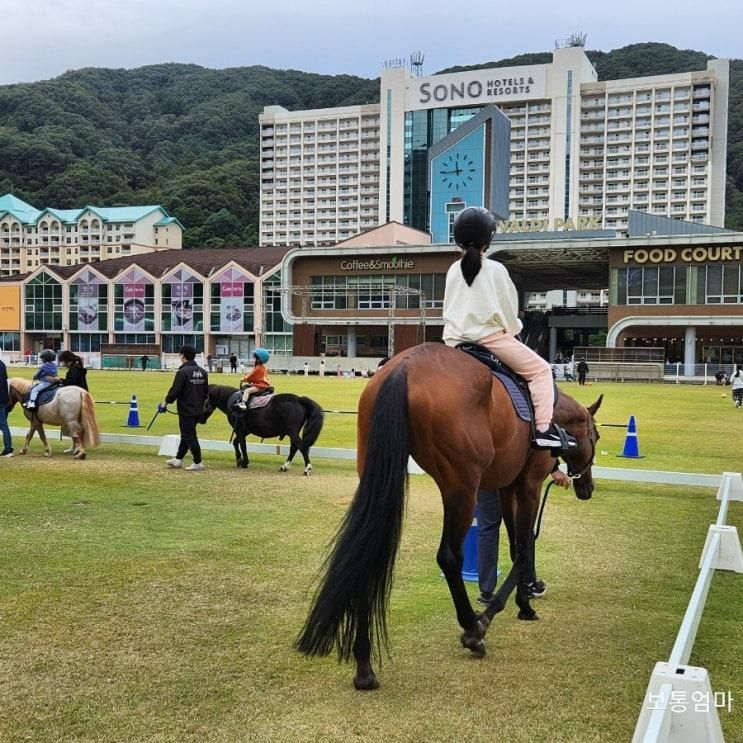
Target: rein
(572,475)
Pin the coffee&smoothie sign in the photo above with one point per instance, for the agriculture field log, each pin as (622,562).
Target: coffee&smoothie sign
(495,85)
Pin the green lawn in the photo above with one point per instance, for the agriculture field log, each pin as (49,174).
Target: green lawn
(688,428)
(138,603)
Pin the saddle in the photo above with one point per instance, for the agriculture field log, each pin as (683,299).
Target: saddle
(256,400)
(45,396)
(516,386)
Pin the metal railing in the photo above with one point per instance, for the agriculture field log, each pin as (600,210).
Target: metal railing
(679,705)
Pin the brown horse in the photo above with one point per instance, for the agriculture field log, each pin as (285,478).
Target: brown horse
(446,410)
(72,408)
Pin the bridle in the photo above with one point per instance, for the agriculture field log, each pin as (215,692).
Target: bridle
(572,474)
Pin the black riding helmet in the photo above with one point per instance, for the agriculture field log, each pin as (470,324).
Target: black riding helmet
(474,226)
(48,355)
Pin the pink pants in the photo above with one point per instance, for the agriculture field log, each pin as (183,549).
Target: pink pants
(531,366)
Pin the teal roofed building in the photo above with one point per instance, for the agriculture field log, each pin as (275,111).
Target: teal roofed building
(31,237)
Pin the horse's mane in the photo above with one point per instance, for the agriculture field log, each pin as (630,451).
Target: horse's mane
(22,385)
(219,394)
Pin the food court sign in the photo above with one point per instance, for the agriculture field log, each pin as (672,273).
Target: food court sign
(684,255)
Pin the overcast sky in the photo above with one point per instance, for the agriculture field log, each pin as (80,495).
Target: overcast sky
(43,38)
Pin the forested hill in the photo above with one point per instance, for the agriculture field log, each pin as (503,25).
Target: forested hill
(187,137)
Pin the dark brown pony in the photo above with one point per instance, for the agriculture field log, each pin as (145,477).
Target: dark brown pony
(446,410)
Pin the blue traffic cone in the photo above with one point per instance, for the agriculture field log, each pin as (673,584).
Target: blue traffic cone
(631,441)
(469,564)
(133,420)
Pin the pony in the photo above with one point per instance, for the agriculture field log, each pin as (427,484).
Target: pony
(446,410)
(72,408)
(285,415)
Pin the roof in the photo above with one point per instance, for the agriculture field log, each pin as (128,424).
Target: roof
(205,261)
(123,213)
(30,214)
(18,208)
(168,220)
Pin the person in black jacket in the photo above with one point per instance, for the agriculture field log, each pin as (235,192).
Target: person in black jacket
(582,370)
(4,404)
(76,372)
(190,388)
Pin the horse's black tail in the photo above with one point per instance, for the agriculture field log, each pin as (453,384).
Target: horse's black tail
(313,422)
(354,593)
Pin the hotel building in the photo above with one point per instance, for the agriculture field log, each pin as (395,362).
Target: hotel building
(31,237)
(578,148)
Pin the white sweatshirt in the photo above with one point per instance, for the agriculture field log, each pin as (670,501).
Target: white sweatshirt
(737,381)
(474,312)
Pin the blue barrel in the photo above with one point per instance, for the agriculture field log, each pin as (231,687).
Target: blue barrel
(469,564)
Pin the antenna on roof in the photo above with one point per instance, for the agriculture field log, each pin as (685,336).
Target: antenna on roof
(416,63)
(577,39)
(395,63)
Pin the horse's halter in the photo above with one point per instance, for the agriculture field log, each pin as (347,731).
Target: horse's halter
(577,475)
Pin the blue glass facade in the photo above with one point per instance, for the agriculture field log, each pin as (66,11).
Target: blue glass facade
(423,129)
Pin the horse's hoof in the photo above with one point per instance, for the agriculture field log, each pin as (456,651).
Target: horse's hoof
(527,615)
(365,683)
(475,644)
(80,456)
(283,469)
(47,454)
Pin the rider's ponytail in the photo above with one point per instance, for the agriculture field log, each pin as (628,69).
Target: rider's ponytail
(471,263)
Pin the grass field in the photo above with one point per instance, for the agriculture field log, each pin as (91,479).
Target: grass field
(687,428)
(143,604)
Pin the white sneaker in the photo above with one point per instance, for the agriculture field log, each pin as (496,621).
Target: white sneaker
(195,467)
(174,463)
(69,451)
(30,405)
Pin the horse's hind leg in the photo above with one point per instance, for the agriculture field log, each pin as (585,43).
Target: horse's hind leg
(292,451)
(47,448)
(459,508)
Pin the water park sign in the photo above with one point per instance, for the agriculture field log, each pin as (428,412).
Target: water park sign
(546,225)
(685,255)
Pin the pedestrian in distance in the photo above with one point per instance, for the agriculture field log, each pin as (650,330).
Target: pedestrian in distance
(233,363)
(582,370)
(190,388)
(209,361)
(144,360)
(338,371)
(306,369)
(4,404)
(736,382)
(76,373)
(481,306)
(322,368)
(45,377)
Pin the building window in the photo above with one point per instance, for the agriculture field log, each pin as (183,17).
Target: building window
(719,284)
(87,342)
(172,342)
(10,341)
(43,303)
(651,285)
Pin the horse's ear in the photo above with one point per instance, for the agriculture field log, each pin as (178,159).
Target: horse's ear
(593,408)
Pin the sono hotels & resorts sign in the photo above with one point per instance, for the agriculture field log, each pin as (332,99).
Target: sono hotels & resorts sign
(476,87)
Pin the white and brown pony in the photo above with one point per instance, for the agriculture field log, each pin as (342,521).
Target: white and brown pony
(72,408)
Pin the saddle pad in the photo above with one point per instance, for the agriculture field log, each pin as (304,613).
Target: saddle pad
(259,401)
(45,396)
(520,403)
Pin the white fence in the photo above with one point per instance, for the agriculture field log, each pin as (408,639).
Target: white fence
(680,705)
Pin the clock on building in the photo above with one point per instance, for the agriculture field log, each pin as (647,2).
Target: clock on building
(458,171)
